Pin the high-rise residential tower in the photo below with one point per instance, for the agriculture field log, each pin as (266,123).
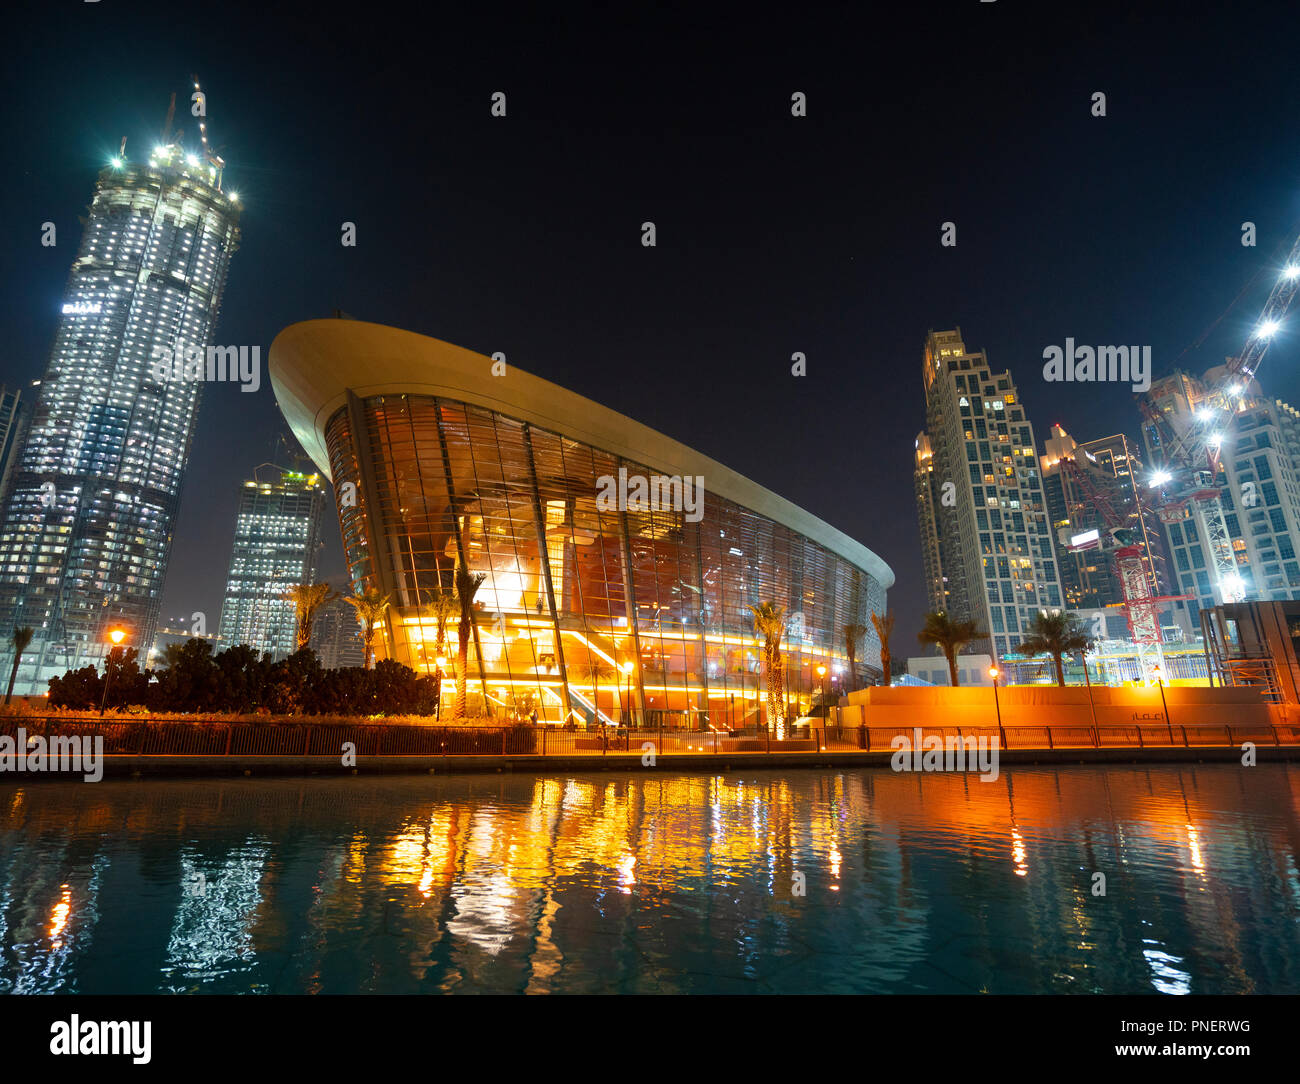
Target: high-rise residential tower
(983,517)
(944,593)
(86,530)
(277,539)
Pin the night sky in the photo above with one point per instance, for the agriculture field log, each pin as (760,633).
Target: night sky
(775,234)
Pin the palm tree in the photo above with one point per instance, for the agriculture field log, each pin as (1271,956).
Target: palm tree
(769,623)
(595,669)
(307,599)
(884,629)
(467,585)
(852,634)
(1056,634)
(950,637)
(20,639)
(370,607)
(443,604)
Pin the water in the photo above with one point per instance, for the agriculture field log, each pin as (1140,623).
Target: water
(658,882)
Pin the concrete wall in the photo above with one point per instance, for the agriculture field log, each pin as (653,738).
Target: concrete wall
(1049,704)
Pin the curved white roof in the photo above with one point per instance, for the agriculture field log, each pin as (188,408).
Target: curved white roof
(313,364)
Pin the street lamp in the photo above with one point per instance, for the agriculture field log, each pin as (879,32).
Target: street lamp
(1087,680)
(117,636)
(1169,723)
(1002,734)
(627,669)
(821,673)
(439,663)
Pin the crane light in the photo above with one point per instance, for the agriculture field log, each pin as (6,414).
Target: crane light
(1290,272)
(1233,586)
(1269,328)
(1161,478)
(1214,440)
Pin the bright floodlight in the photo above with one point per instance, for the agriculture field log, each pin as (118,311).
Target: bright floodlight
(1205,414)
(1269,328)
(1234,389)
(1161,478)
(1291,271)
(191,159)
(1214,440)
(117,163)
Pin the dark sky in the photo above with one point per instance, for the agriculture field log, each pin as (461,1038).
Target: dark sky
(775,234)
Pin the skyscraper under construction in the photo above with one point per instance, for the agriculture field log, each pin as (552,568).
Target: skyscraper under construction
(277,541)
(87,528)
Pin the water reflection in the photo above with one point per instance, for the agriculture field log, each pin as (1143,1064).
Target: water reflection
(836,881)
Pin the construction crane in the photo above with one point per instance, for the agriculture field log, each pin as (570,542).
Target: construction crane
(172,140)
(1141,605)
(1188,477)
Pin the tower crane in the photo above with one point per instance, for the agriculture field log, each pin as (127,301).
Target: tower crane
(1141,605)
(1188,477)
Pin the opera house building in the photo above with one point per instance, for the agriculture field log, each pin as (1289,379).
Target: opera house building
(619,565)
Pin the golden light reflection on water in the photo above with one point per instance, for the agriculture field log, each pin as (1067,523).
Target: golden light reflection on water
(656,881)
(1194,848)
(1018,853)
(59,916)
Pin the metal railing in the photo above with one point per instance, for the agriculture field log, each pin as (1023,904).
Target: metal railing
(303,738)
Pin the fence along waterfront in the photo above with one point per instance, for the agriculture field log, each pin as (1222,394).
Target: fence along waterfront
(303,737)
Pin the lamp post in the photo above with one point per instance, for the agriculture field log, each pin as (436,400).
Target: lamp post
(439,663)
(1092,705)
(1169,723)
(1002,734)
(117,636)
(627,669)
(821,673)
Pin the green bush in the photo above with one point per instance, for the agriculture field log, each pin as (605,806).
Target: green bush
(236,681)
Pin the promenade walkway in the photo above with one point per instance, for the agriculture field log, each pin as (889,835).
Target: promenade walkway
(179,745)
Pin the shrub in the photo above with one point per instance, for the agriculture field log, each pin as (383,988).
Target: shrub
(238,682)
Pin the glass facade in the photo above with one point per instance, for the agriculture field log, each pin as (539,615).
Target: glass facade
(625,616)
(87,525)
(15,413)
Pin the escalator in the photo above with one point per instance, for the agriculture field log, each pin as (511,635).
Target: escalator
(587,711)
